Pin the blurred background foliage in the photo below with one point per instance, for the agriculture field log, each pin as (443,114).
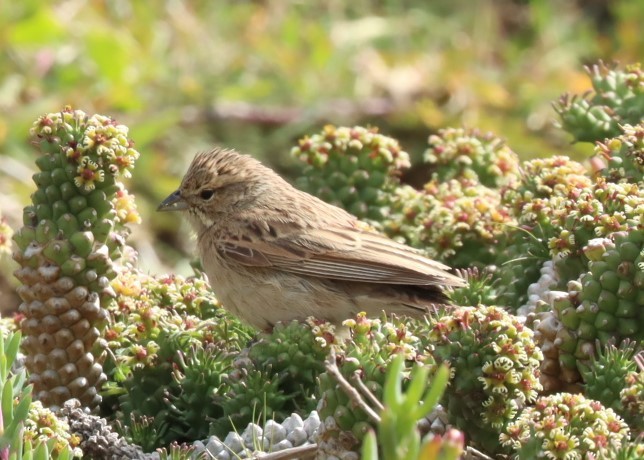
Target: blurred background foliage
(185,75)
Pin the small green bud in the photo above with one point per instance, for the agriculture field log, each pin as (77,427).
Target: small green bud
(39,197)
(77,204)
(24,236)
(53,193)
(99,201)
(67,191)
(29,217)
(70,172)
(626,309)
(59,208)
(45,162)
(82,242)
(42,179)
(73,266)
(609,281)
(68,224)
(43,211)
(88,217)
(46,231)
(605,321)
(58,251)
(102,230)
(58,176)
(627,327)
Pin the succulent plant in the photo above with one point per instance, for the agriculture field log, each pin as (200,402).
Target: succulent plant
(632,400)
(632,450)
(559,370)
(171,345)
(606,301)
(623,156)
(400,413)
(294,353)
(559,224)
(97,437)
(544,178)
(520,260)
(605,376)
(524,248)
(457,221)
(193,398)
(457,153)
(569,425)
(374,344)
(354,168)
(617,99)
(66,250)
(27,430)
(495,368)
(481,288)
(250,395)
(44,426)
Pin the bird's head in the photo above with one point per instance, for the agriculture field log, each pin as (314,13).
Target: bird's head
(218,183)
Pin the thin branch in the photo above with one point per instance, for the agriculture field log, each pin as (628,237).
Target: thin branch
(477,453)
(302,452)
(367,392)
(351,392)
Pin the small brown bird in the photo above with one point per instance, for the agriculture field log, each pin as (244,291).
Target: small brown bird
(274,253)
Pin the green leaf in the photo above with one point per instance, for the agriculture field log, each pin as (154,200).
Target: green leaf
(435,392)
(415,391)
(22,409)
(370,447)
(7,402)
(12,347)
(392,394)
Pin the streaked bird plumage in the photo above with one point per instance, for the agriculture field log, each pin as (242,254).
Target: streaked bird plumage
(274,253)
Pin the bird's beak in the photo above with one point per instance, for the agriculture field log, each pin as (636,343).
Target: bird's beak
(174,202)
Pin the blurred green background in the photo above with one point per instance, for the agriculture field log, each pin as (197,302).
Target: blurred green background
(257,75)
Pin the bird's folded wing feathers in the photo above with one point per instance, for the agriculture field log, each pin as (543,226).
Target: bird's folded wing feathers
(343,253)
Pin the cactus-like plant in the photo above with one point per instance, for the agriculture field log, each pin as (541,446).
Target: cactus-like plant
(569,426)
(27,430)
(355,168)
(294,353)
(73,232)
(605,376)
(172,345)
(457,153)
(632,400)
(605,303)
(457,221)
(495,367)
(374,344)
(623,156)
(617,99)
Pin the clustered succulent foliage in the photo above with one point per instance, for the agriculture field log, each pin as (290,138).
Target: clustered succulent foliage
(458,216)
(495,367)
(616,100)
(568,426)
(72,235)
(355,168)
(553,250)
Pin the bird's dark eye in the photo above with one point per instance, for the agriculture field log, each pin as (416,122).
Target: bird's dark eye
(207,194)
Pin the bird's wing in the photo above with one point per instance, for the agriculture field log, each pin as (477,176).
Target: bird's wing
(342,253)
